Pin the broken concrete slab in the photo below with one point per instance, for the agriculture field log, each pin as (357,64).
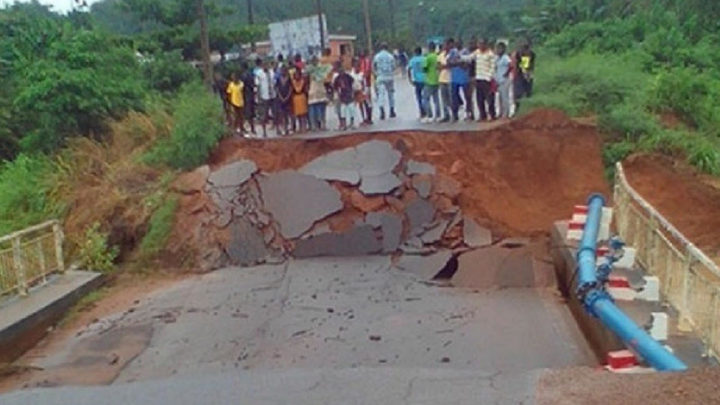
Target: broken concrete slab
(474,235)
(358,241)
(296,201)
(233,174)
(341,165)
(392,228)
(425,267)
(375,219)
(379,184)
(495,267)
(415,167)
(247,244)
(423,185)
(434,234)
(419,212)
(377,158)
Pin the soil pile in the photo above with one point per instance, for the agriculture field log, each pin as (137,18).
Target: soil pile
(687,199)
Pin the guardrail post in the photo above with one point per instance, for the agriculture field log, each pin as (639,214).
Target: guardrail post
(684,323)
(651,243)
(41,260)
(19,267)
(57,232)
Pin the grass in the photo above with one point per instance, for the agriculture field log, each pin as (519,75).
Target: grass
(161,224)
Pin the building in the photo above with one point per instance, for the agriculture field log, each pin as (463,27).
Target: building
(338,44)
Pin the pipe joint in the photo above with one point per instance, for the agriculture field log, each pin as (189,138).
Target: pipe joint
(592,297)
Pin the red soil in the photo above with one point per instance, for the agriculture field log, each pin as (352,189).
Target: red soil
(687,199)
(517,179)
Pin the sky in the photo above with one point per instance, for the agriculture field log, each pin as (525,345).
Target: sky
(60,6)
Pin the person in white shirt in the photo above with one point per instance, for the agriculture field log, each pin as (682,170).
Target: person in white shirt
(265,85)
(384,66)
(485,61)
(502,77)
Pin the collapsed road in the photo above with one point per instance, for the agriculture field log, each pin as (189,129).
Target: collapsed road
(385,268)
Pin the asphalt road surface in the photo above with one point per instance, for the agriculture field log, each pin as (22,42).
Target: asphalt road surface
(320,331)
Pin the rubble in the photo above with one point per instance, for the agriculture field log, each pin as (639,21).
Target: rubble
(356,201)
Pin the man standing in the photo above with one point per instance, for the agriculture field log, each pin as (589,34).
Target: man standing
(416,75)
(248,79)
(502,77)
(384,69)
(485,60)
(264,83)
(525,63)
(459,78)
(431,85)
(444,80)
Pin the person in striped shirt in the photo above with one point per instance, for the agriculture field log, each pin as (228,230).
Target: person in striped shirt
(485,66)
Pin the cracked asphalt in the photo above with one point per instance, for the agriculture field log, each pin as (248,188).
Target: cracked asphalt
(333,330)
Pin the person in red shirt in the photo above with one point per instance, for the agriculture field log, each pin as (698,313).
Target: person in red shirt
(299,64)
(365,65)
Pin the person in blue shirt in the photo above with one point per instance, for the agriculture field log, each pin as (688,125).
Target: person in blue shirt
(384,66)
(459,78)
(416,75)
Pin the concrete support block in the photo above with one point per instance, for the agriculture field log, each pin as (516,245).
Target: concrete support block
(659,328)
(628,259)
(651,291)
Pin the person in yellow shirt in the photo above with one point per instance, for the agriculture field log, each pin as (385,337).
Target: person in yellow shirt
(444,81)
(237,102)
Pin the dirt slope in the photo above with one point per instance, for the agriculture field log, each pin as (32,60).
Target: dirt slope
(687,199)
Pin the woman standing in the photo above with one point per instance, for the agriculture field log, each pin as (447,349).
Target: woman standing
(284,95)
(300,99)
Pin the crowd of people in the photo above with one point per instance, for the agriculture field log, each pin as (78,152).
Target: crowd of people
(293,96)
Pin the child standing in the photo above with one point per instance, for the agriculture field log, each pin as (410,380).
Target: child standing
(343,85)
(359,89)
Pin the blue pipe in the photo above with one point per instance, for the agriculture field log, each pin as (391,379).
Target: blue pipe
(599,303)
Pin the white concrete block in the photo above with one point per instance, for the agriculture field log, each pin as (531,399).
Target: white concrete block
(622,294)
(659,328)
(651,291)
(628,259)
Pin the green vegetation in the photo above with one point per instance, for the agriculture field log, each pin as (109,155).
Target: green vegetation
(198,127)
(647,70)
(24,188)
(95,253)
(161,224)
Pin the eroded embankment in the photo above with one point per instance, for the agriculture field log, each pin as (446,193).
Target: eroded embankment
(514,180)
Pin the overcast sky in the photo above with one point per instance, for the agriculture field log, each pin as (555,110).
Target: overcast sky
(61,6)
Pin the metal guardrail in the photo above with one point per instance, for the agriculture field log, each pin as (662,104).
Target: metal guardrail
(689,279)
(28,256)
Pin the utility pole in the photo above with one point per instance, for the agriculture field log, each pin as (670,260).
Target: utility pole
(368,27)
(392,19)
(251,18)
(205,44)
(322,28)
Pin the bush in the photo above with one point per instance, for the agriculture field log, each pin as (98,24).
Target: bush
(94,253)
(198,126)
(690,94)
(629,121)
(24,189)
(85,79)
(161,224)
(588,83)
(167,72)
